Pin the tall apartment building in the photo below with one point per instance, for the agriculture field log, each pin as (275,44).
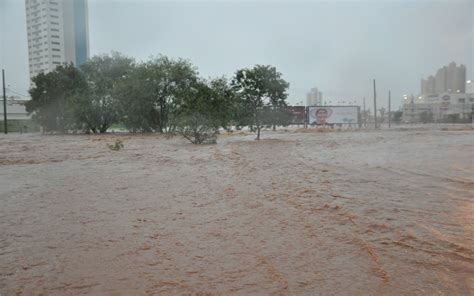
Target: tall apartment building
(449,78)
(58,33)
(314,97)
(428,85)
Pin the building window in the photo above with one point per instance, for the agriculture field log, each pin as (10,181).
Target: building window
(55,49)
(56,56)
(55,36)
(54,30)
(56,43)
(462,100)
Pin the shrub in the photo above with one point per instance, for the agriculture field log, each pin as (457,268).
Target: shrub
(197,129)
(117,146)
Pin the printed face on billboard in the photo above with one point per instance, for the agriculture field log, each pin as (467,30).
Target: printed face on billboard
(331,115)
(322,115)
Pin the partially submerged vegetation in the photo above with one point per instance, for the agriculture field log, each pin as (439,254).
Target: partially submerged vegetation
(161,95)
(116,146)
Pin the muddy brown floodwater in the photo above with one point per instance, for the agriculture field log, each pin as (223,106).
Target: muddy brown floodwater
(297,213)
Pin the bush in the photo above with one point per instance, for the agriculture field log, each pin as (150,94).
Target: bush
(197,129)
(117,146)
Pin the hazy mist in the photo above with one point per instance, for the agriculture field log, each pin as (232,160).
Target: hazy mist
(337,46)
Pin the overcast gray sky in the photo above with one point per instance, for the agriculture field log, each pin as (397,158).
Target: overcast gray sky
(338,46)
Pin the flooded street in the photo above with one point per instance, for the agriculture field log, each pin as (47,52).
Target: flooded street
(298,213)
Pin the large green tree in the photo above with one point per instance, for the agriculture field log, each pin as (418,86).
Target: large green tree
(51,98)
(151,95)
(258,87)
(207,106)
(96,108)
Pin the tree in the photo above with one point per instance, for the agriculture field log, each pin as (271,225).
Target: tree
(206,107)
(97,107)
(150,96)
(51,98)
(281,116)
(453,118)
(259,87)
(397,116)
(426,117)
(137,101)
(382,114)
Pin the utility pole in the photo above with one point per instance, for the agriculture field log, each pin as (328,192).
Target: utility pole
(365,114)
(375,106)
(5,126)
(389,111)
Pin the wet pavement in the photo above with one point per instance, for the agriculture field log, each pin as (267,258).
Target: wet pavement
(297,213)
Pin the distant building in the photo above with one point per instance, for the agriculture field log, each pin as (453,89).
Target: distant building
(15,109)
(440,106)
(57,33)
(449,78)
(314,97)
(428,85)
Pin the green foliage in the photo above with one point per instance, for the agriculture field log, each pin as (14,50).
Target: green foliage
(51,99)
(204,108)
(198,129)
(259,87)
(426,117)
(151,95)
(397,116)
(96,107)
(381,119)
(453,118)
(160,95)
(116,146)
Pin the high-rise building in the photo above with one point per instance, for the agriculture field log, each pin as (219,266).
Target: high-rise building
(440,80)
(428,85)
(58,33)
(449,78)
(314,97)
(456,78)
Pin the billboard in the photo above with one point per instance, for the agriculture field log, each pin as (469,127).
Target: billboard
(321,115)
(297,113)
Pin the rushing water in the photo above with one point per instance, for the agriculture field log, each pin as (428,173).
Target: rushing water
(338,213)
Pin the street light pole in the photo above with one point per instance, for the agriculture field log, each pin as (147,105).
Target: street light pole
(389,111)
(365,114)
(5,126)
(375,106)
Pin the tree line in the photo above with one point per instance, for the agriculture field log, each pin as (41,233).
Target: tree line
(162,95)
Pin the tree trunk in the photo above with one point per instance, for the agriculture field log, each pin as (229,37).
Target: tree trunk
(258,132)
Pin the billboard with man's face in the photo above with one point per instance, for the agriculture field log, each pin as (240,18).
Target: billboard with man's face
(321,115)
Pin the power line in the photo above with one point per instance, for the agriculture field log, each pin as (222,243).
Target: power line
(17,93)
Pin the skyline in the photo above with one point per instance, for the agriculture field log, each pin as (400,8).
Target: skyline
(57,34)
(342,58)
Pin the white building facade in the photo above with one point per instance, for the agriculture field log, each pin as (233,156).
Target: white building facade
(440,106)
(58,33)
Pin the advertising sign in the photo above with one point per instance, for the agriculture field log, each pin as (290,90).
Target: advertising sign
(298,114)
(322,115)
